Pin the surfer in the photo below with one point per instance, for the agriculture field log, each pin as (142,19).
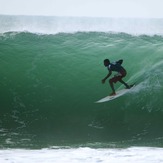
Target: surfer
(115,66)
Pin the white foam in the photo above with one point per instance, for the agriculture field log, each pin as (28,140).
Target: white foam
(83,155)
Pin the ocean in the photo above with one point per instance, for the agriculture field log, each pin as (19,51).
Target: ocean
(50,78)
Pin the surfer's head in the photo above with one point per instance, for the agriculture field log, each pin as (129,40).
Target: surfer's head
(106,62)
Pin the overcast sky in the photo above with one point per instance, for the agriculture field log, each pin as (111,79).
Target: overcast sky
(89,8)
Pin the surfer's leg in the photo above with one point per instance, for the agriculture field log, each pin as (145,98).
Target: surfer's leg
(112,87)
(127,86)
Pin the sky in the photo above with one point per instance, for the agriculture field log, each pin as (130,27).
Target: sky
(86,8)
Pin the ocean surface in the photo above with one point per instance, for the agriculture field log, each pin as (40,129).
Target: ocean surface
(50,78)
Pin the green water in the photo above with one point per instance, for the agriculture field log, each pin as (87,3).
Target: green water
(49,85)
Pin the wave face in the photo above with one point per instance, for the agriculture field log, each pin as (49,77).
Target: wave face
(50,82)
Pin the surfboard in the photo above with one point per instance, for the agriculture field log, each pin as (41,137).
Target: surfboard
(118,94)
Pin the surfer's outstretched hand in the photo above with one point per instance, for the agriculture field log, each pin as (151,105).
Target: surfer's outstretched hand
(103,81)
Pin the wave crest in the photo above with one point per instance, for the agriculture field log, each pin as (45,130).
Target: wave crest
(53,25)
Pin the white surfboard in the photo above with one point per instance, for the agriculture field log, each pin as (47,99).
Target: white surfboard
(118,94)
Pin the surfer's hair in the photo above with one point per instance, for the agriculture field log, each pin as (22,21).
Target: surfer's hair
(107,61)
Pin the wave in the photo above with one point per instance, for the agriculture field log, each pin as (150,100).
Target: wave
(54,25)
(49,85)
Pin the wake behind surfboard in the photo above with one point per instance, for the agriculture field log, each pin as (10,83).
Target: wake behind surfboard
(118,94)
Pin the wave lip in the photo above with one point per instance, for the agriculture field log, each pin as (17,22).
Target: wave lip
(54,25)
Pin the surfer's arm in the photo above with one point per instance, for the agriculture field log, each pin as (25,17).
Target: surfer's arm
(103,80)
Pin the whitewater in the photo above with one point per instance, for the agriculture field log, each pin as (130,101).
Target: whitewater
(50,77)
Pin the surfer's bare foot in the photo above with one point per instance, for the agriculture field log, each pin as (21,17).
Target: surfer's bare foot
(129,86)
(113,94)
